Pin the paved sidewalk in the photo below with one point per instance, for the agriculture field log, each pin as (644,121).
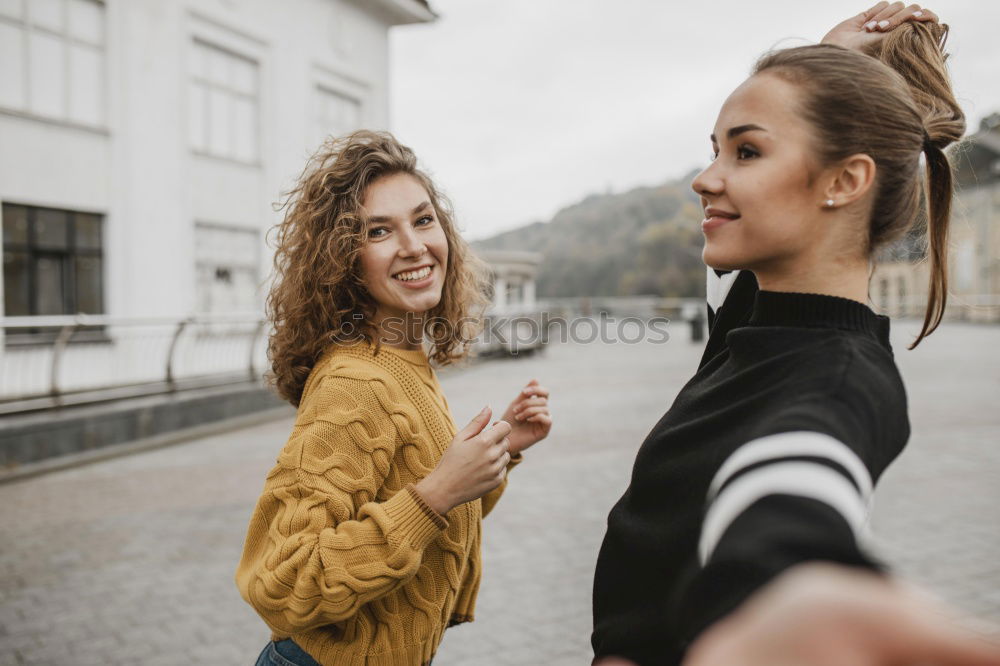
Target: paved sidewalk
(131,561)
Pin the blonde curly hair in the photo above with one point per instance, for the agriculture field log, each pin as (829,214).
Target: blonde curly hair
(319,297)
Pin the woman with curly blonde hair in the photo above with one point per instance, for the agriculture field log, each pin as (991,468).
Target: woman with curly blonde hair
(365,543)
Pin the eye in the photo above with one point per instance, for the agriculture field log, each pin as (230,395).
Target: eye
(424,221)
(745,152)
(375,232)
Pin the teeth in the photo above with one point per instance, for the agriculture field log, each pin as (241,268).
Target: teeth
(414,275)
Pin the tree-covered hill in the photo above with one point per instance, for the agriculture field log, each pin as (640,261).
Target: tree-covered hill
(646,241)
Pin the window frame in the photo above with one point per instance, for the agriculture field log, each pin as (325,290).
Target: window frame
(67,257)
(67,41)
(324,93)
(200,80)
(332,81)
(250,265)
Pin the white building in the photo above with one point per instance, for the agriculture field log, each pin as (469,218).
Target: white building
(513,273)
(143,142)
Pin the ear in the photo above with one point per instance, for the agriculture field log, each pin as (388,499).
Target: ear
(851,180)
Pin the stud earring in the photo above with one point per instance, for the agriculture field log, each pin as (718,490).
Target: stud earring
(829,203)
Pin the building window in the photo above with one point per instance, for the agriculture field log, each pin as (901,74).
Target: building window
(226,260)
(52,262)
(52,59)
(224,106)
(336,114)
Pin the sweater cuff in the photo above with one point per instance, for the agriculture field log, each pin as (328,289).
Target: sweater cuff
(413,520)
(440,520)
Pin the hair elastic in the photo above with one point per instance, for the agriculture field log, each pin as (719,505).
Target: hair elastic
(928,144)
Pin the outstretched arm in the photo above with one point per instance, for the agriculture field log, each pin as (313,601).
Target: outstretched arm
(823,615)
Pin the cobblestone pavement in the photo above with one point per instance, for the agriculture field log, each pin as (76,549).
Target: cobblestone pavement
(131,561)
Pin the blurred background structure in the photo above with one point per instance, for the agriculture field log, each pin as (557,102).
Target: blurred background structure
(899,285)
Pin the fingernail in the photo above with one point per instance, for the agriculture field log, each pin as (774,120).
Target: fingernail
(918,13)
(883,24)
(870,25)
(485,409)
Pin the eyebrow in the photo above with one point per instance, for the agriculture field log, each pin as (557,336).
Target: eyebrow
(385,219)
(740,129)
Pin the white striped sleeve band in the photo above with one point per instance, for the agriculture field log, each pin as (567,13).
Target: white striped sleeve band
(777,475)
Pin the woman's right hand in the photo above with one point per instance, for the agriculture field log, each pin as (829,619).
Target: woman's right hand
(862,31)
(474,464)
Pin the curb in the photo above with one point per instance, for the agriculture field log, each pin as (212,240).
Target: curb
(181,436)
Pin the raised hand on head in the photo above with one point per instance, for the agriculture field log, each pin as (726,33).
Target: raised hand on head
(863,30)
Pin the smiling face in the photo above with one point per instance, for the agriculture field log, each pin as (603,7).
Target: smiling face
(763,193)
(405,257)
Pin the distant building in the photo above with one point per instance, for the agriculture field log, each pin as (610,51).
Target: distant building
(899,286)
(513,274)
(514,321)
(144,141)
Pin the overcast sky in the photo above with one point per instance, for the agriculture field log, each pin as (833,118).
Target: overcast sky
(520,107)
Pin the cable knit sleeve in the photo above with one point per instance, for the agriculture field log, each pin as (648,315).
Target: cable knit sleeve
(320,543)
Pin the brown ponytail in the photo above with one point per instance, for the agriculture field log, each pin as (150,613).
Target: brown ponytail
(893,106)
(939,193)
(916,52)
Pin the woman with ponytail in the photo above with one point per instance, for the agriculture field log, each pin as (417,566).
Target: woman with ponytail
(767,459)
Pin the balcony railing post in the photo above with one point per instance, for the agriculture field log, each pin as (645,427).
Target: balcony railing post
(253,346)
(173,347)
(65,333)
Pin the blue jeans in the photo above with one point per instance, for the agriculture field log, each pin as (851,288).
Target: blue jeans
(284,653)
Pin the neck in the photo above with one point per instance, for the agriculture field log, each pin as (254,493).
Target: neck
(401,331)
(832,278)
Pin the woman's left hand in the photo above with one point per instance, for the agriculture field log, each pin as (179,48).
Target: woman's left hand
(861,31)
(529,417)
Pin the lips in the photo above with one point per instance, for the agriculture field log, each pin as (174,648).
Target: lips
(415,278)
(716,217)
(414,272)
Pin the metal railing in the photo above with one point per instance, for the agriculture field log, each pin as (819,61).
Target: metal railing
(63,360)
(982,308)
(72,360)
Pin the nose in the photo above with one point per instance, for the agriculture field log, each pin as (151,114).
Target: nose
(708,183)
(410,244)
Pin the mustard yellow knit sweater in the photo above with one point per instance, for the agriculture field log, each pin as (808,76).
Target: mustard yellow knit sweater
(342,554)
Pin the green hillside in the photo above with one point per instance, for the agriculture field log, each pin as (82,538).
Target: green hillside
(646,241)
